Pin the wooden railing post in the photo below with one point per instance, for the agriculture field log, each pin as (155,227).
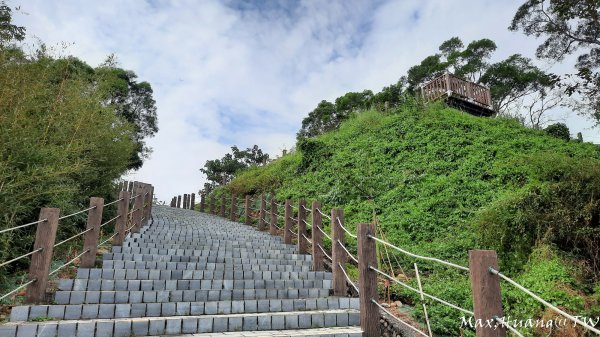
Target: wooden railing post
(273,224)
(90,241)
(172,202)
(212,204)
(302,243)
(367,280)
(222,205)
(487,298)
(138,205)
(202,201)
(261,221)
(287,228)
(40,262)
(233,207)
(121,222)
(186,200)
(193,201)
(179,201)
(338,255)
(317,238)
(151,201)
(247,210)
(145,204)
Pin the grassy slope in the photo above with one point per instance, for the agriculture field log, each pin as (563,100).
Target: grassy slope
(429,176)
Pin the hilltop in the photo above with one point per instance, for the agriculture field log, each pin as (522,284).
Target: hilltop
(440,182)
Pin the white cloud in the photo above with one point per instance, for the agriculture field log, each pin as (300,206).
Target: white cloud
(225,76)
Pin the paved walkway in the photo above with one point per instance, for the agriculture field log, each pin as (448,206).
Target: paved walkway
(194,274)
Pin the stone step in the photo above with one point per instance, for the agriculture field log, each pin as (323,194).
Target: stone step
(321,332)
(147,296)
(209,253)
(116,264)
(176,325)
(166,309)
(198,259)
(111,285)
(208,247)
(168,238)
(157,274)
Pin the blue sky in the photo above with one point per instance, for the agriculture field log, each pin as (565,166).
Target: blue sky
(246,72)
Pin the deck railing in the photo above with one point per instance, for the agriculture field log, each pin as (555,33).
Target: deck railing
(455,86)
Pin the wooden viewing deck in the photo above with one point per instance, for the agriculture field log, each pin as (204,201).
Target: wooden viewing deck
(461,94)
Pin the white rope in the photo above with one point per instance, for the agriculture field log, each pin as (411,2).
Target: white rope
(20,257)
(21,226)
(113,202)
(73,237)
(324,252)
(307,224)
(419,256)
(306,209)
(72,214)
(347,252)
(398,319)
(306,238)
(110,238)
(68,263)
(323,214)
(107,222)
(326,235)
(424,293)
(513,330)
(348,278)
(541,300)
(17,289)
(344,228)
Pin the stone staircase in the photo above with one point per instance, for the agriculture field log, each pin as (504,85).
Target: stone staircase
(193,273)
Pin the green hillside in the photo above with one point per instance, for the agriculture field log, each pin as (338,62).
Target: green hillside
(441,182)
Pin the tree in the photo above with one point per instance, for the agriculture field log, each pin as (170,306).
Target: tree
(568,26)
(221,171)
(351,102)
(9,32)
(322,119)
(559,130)
(133,101)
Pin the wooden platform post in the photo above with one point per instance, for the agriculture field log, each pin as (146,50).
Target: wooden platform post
(247,220)
(233,207)
(338,255)
(202,202)
(287,228)
(262,224)
(222,213)
(212,204)
(317,238)
(273,223)
(121,222)
(138,205)
(302,243)
(487,298)
(90,241)
(367,281)
(39,268)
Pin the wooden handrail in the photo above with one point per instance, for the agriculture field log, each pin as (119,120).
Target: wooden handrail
(448,84)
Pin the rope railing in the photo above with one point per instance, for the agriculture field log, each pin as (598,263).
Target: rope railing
(450,264)
(23,226)
(544,302)
(323,232)
(68,263)
(109,221)
(307,224)
(113,202)
(419,292)
(508,326)
(323,214)
(348,278)
(73,237)
(110,238)
(398,319)
(79,212)
(306,238)
(347,251)
(324,252)
(133,197)
(17,289)
(344,228)
(20,257)
(292,232)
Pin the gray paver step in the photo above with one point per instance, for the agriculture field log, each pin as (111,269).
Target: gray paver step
(209,253)
(321,332)
(209,259)
(120,264)
(165,309)
(140,296)
(158,274)
(174,325)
